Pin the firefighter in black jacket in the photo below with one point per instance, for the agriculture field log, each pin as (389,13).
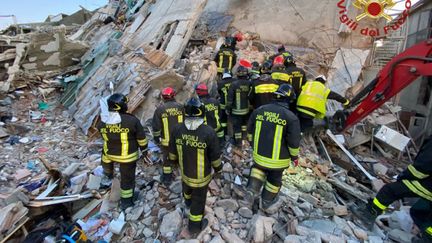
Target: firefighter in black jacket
(238,104)
(415,181)
(281,51)
(297,78)
(195,147)
(226,57)
(274,133)
(223,87)
(166,116)
(262,89)
(123,135)
(279,73)
(212,111)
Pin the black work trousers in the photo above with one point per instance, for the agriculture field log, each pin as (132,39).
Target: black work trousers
(239,127)
(127,176)
(306,122)
(420,212)
(271,179)
(196,198)
(167,168)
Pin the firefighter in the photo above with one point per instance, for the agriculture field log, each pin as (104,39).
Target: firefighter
(238,104)
(223,88)
(279,74)
(226,57)
(311,102)
(255,71)
(212,111)
(297,77)
(123,135)
(274,133)
(166,116)
(415,181)
(263,88)
(281,51)
(195,147)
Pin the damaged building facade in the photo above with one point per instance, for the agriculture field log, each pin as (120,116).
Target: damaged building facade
(53,76)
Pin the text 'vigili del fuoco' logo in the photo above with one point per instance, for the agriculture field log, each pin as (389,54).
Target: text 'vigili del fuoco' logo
(374,9)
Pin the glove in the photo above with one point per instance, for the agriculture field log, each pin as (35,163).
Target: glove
(167,179)
(347,104)
(295,162)
(156,139)
(144,153)
(403,176)
(218,174)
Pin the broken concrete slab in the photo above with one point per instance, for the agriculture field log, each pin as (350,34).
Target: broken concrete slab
(171,224)
(261,229)
(169,26)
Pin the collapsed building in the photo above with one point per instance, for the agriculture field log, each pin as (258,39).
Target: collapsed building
(53,78)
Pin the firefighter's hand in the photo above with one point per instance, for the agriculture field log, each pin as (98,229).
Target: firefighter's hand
(295,162)
(167,179)
(156,139)
(144,153)
(218,174)
(346,104)
(403,176)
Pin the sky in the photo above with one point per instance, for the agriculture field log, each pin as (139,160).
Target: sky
(27,11)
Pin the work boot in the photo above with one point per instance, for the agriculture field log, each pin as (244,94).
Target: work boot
(126,203)
(106,182)
(196,228)
(367,213)
(265,204)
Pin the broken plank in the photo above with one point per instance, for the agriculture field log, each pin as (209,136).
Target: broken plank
(332,136)
(19,225)
(83,212)
(355,192)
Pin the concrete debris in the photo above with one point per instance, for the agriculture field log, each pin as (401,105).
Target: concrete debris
(261,229)
(171,224)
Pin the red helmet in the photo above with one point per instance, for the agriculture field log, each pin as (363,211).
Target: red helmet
(201,89)
(278,61)
(168,93)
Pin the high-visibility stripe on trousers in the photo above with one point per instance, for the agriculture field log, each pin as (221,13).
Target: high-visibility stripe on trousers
(127,176)
(196,197)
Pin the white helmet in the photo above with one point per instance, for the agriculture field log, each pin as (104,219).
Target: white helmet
(226,75)
(322,77)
